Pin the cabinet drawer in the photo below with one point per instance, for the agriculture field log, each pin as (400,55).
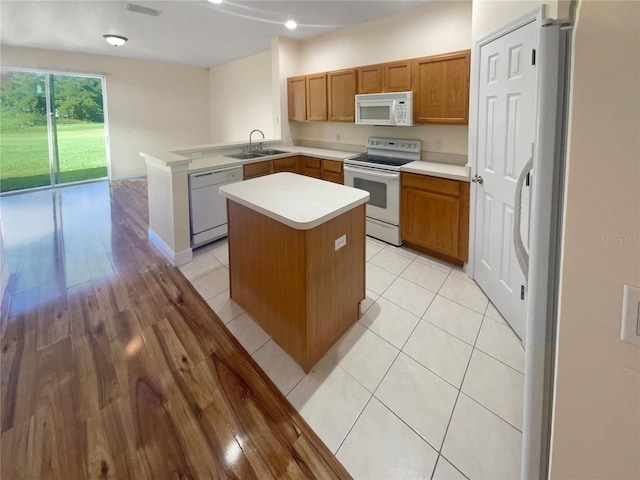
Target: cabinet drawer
(431,184)
(288,164)
(331,166)
(257,169)
(310,162)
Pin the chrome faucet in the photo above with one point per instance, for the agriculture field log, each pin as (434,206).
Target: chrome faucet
(251,134)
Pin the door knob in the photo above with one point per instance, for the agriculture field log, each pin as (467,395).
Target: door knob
(478,179)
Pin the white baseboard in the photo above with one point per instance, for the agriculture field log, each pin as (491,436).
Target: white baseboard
(176,259)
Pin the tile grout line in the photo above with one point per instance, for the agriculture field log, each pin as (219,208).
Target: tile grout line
(455,403)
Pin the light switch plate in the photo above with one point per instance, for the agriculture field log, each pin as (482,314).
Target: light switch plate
(631,315)
(340,242)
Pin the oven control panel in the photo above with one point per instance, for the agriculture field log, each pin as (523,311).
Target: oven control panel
(394,146)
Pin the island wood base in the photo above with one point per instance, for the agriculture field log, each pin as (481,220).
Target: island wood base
(293,283)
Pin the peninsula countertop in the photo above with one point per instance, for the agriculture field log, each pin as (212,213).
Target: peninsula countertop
(297,201)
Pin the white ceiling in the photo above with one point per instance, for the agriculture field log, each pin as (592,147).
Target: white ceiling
(188,32)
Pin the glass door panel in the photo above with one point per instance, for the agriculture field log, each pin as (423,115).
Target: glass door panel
(51,130)
(24,139)
(79,125)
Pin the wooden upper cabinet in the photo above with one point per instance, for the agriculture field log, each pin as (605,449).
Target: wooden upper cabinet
(297,99)
(342,95)
(441,88)
(369,79)
(397,76)
(316,97)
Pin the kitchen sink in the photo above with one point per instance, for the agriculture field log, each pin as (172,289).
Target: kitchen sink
(271,151)
(257,154)
(244,156)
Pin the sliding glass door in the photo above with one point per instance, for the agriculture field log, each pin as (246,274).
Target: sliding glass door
(51,130)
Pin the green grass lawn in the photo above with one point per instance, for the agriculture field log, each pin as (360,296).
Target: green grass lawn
(24,155)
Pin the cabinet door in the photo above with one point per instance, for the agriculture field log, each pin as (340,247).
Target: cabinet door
(435,214)
(342,95)
(310,167)
(332,171)
(257,169)
(287,164)
(397,76)
(430,220)
(441,88)
(370,79)
(317,97)
(297,99)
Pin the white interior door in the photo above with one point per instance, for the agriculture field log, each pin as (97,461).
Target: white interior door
(506,121)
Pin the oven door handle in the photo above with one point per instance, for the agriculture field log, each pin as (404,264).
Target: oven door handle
(371,173)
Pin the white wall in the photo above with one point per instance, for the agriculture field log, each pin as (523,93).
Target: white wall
(489,15)
(436,27)
(241,99)
(285,54)
(596,430)
(151,106)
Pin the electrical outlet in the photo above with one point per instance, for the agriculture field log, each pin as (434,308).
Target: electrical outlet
(337,137)
(630,331)
(340,242)
(439,144)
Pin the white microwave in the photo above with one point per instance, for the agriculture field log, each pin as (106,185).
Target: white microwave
(385,109)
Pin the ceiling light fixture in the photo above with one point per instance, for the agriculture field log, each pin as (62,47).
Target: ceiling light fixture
(215,1)
(115,40)
(291,25)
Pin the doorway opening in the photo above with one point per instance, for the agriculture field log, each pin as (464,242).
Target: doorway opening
(52,130)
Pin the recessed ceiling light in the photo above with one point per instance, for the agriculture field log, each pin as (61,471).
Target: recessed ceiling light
(115,40)
(215,1)
(291,25)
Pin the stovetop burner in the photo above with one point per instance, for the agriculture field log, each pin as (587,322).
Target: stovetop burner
(377,159)
(388,153)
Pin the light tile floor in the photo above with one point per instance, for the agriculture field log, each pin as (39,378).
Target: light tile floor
(427,384)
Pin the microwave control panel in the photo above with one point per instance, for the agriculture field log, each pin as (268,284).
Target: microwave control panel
(403,113)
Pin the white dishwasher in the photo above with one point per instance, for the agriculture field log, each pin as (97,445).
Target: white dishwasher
(208,209)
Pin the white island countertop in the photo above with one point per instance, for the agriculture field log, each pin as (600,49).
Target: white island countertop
(297,201)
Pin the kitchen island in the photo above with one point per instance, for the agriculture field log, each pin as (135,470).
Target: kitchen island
(297,259)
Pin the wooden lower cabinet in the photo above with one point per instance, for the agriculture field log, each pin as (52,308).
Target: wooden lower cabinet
(287,164)
(311,167)
(332,171)
(296,286)
(257,169)
(435,215)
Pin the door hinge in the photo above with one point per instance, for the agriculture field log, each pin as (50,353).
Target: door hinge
(533,56)
(527,181)
(521,292)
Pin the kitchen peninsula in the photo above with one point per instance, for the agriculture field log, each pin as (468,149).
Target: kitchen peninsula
(297,259)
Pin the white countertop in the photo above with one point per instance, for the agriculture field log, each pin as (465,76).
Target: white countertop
(219,160)
(442,170)
(297,201)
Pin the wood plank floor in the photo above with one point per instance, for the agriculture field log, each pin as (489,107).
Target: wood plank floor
(114,367)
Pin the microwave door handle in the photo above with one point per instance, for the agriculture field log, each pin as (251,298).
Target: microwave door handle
(370,172)
(394,117)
